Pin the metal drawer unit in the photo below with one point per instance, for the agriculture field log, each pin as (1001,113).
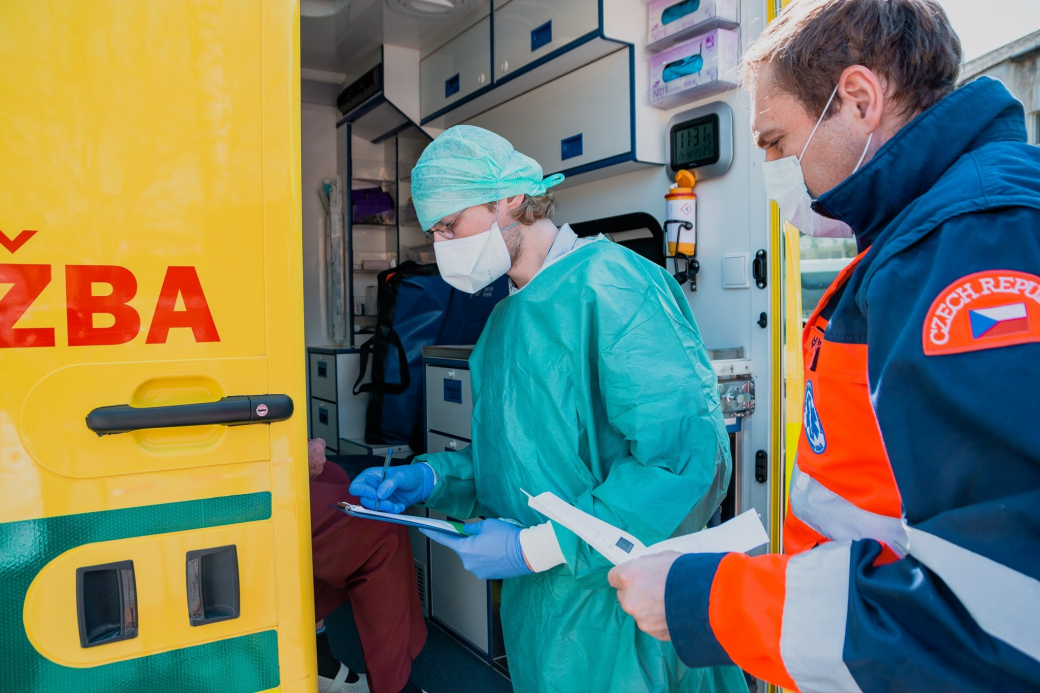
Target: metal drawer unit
(324,421)
(334,411)
(435,442)
(449,404)
(458,601)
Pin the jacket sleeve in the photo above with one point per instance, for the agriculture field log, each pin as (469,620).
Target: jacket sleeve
(455,491)
(840,617)
(650,380)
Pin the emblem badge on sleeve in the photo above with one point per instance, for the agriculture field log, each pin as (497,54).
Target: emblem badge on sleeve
(985,310)
(814,434)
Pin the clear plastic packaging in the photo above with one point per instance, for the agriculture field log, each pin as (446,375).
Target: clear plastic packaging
(693,69)
(671,21)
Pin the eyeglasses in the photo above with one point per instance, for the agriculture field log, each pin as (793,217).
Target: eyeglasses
(447,230)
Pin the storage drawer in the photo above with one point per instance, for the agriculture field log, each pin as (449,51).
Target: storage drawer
(580,118)
(526,30)
(456,69)
(323,376)
(325,423)
(421,557)
(449,401)
(458,599)
(435,442)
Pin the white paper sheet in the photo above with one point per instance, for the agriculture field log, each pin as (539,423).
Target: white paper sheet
(454,528)
(741,534)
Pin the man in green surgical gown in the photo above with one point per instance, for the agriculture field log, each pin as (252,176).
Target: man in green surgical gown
(589,381)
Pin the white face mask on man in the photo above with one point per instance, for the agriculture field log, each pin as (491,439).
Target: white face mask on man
(785,184)
(471,263)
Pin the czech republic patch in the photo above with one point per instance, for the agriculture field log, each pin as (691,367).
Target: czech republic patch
(984,310)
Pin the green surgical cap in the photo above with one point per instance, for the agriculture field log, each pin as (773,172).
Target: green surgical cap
(468,166)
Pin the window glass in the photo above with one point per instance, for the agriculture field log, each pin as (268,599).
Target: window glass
(821,261)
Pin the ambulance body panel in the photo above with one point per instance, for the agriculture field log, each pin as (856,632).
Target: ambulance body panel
(152,150)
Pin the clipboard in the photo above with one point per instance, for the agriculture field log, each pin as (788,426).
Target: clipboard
(446,526)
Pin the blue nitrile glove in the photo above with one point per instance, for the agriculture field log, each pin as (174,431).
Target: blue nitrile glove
(491,552)
(402,488)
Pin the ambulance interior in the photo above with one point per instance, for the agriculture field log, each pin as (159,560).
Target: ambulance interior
(594,89)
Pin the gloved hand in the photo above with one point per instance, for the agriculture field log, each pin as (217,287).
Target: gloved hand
(403,487)
(491,552)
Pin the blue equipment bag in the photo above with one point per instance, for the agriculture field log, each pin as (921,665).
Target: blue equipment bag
(415,308)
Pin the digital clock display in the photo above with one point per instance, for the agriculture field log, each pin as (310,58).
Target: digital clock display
(695,143)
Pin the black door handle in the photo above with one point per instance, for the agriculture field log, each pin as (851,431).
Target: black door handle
(759,269)
(106,603)
(239,410)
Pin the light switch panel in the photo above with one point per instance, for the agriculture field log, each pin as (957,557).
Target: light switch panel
(735,273)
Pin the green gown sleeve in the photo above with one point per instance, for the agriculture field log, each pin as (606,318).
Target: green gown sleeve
(455,492)
(655,386)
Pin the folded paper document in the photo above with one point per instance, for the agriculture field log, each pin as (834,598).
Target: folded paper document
(741,534)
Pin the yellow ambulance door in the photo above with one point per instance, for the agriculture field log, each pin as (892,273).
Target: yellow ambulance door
(154,519)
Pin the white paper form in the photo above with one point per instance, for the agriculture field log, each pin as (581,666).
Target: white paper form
(454,528)
(741,534)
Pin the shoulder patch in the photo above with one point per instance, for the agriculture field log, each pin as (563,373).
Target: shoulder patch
(985,310)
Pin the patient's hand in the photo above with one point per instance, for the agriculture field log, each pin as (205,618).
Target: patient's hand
(315,456)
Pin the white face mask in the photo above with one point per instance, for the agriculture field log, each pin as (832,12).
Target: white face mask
(471,263)
(785,184)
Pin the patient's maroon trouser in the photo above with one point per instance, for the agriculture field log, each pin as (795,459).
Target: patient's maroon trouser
(369,564)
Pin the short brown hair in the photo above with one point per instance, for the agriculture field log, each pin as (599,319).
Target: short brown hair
(908,43)
(532,208)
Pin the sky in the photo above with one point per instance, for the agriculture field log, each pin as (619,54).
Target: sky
(984,25)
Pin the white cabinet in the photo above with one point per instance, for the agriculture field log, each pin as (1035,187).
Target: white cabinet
(526,30)
(325,423)
(323,376)
(435,442)
(335,411)
(581,118)
(456,69)
(459,599)
(449,404)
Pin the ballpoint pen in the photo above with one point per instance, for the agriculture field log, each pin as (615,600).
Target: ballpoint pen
(386,464)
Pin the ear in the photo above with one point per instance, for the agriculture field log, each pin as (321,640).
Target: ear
(513,202)
(864,95)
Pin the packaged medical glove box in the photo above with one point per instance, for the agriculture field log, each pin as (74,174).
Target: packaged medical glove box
(693,69)
(678,19)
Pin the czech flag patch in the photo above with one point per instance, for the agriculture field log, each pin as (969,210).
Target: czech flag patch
(984,310)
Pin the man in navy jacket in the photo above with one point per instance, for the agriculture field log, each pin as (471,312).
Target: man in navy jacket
(912,541)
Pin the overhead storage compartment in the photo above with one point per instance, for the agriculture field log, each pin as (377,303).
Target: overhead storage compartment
(575,123)
(526,30)
(455,70)
(384,99)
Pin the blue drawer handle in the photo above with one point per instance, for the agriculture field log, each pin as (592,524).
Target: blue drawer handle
(323,369)
(541,36)
(452,85)
(571,147)
(323,416)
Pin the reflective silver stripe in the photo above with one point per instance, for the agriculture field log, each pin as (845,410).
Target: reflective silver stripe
(1004,602)
(816,604)
(838,519)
